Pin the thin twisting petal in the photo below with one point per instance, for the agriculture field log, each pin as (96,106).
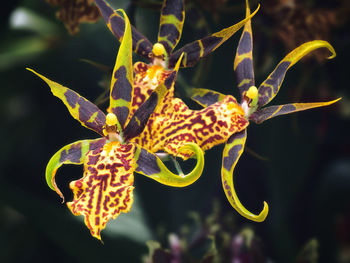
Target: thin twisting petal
(243,65)
(148,164)
(206,97)
(232,152)
(200,48)
(121,92)
(140,44)
(270,87)
(106,189)
(274,111)
(84,111)
(171,22)
(73,153)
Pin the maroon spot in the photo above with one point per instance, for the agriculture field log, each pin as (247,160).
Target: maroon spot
(101,166)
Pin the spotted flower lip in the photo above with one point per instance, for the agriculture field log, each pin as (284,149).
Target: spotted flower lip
(170,29)
(106,188)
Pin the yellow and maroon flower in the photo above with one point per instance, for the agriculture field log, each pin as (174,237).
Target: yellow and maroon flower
(252,103)
(170,29)
(106,188)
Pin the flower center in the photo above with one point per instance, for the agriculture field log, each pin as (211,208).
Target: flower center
(250,100)
(159,55)
(110,129)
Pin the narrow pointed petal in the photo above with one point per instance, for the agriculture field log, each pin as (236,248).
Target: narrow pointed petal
(140,44)
(142,114)
(139,120)
(73,153)
(232,152)
(200,48)
(121,92)
(243,65)
(106,189)
(270,87)
(172,18)
(84,111)
(206,97)
(274,111)
(148,164)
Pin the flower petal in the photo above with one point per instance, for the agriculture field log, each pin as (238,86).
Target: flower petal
(270,87)
(148,164)
(172,18)
(140,44)
(143,113)
(121,92)
(73,153)
(147,78)
(274,111)
(243,65)
(232,151)
(87,113)
(200,48)
(106,189)
(178,124)
(206,97)
(139,120)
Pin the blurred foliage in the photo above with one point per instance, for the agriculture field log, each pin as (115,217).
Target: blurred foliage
(306,180)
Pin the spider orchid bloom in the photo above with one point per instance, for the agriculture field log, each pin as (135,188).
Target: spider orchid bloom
(160,55)
(252,103)
(106,188)
(170,29)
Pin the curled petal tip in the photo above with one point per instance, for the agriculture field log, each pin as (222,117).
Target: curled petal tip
(256,10)
(332,50)
(263,214)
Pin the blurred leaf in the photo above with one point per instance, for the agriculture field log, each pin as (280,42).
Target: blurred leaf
(25,19)
(21,51)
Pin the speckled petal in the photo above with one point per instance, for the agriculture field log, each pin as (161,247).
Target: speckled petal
(106,189)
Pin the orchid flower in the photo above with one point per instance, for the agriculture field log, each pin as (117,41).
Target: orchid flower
(161,55)
(170,29)
(252,104)
(223,120)
(106,188)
